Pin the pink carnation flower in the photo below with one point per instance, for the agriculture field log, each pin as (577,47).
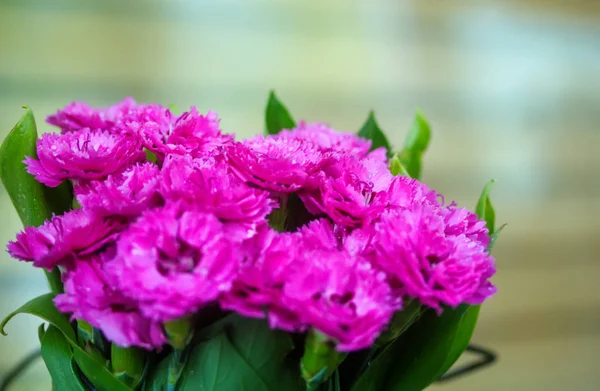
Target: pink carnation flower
(128,193)
(279,164)
(59,240)
(82,155)
(195,134)
(173,260)
(426,264)
(150,123)
(79,115)
(90,295)
(461,221)
(329,139)
(261,279)
(209,184)
(405,192)
(348,191)
(321,285)
(341,296)
(189,134)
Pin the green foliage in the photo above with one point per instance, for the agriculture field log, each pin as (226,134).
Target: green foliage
(277,116)
(371,131)
(494,237)
(401,321)
(94,369)
(237,354)
(415,144)
(418,357)
(34,202)
(58,356)
(484,209)
(396,167)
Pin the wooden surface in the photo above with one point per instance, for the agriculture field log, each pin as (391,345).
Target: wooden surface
(512,89)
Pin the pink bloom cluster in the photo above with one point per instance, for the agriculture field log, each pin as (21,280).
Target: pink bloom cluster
(156,240)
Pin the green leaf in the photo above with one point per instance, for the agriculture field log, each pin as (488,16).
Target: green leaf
(397,168)
(41,332)
(277,116)
(43,307)
(462,338)
(157,378)
(93,369)
(415,360)
(334,382)
(58,356)
(97,373)
(484,208)
(494,237)
(239,354)
(400,322)
(415,144)
(371,131)
(175,110)
(33,201)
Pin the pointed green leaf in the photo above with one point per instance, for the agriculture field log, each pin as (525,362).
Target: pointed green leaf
(494,237)
(277,116)
(95,371)
(371,131)
(43,307)
(484,209)
(415,144)
(415,360)
(397,168)
(34,202)
(58,356)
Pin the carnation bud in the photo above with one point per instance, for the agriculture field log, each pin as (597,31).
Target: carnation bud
(179,332)
(128,364)
(320,359)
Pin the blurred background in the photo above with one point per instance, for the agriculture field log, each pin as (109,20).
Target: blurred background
(512,89)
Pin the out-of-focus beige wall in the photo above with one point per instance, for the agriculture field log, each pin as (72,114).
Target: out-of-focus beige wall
(512,89)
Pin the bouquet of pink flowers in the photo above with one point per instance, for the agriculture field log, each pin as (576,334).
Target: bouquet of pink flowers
(182,259)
